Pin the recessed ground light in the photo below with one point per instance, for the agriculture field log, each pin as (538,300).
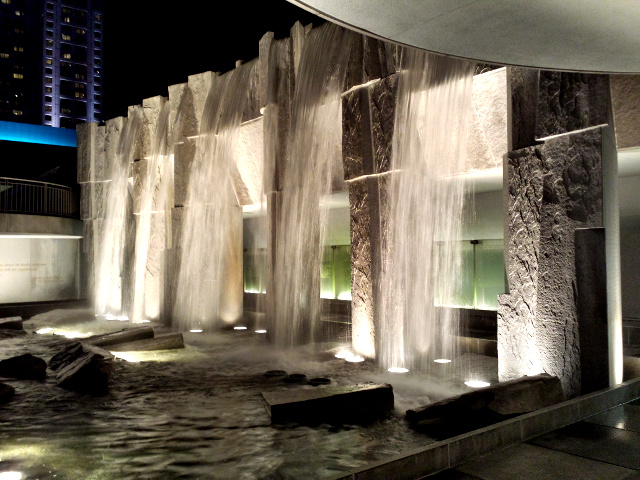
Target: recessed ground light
(397,370)
(354,359)
(239,328)
(10,476)
(442,360)
(195,331)
(342,354)
(122,318)
(261,331)
(476,383)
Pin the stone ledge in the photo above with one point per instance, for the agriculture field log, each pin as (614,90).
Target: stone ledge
(450,453)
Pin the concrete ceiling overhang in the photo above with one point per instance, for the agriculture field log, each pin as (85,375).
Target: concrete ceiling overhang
(572,35)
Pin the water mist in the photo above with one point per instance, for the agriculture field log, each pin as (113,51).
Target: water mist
(421,259)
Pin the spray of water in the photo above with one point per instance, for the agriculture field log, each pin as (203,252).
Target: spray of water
(110,264)
(152,202)
(421,263)
(313,147)
(212,220)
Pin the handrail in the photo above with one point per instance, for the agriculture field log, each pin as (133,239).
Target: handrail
(35,197)
(64,187)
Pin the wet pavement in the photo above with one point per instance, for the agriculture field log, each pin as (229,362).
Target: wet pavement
(604,446)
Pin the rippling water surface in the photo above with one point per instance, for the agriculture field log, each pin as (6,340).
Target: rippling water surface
(193,413)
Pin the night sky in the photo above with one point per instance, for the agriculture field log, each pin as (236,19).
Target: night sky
(150,45)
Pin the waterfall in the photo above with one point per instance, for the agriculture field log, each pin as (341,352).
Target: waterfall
(110,264)
(211,217)
(313,149)
(421,266)
(152,202)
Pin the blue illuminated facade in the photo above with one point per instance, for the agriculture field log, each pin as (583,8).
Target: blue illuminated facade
(43,135)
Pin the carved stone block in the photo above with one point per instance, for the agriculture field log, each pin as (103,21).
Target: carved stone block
(554,189)
(625,100)
(570,101)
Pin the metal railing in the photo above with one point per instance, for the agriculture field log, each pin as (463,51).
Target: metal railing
(35,198)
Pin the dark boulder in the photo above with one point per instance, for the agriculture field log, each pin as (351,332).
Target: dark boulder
(11,323)
(26,367)
(83,368)
(6,393)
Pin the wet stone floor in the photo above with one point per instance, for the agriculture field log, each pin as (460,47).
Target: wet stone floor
(193,413)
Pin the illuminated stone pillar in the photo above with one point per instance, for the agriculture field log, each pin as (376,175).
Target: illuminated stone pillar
(368,119)
(553,188)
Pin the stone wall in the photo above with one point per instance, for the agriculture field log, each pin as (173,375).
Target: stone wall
(553,188)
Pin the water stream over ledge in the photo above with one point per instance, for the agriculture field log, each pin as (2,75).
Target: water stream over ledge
(194,413)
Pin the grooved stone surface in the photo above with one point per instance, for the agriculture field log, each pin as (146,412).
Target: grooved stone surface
(487,141)
(570,101)
(625,99)
(553,189)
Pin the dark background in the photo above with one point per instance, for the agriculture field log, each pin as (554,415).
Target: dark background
(150,45)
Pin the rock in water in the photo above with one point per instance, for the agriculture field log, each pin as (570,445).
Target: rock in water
(25,367)
(83,368)
(359,403)
(6,393)
(11,323)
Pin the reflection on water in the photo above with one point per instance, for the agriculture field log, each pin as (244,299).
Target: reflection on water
(193,413)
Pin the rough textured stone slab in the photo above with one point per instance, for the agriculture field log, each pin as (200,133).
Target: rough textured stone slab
(488,143)
(523,83)
(83,368)
(124,336)
(199,85)
(85,134)
(164,342)
(24,366)
(571,101)
(151,109)
(353,403)
(11,323)
(367,124)
(591,283)
(625,100)
(247,176)
(518,396)
(553,189)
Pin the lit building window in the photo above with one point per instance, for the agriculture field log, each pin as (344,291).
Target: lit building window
(48,61)
(18,30)
(80,95)
(18,49)
(48,90)
(66,38)
(6,2)
(48,80)
(18,13)
(98,17)
(81,31)
(79,76)
(80,86)
(66,111)
(66,56)
(17,112)
(48,108)
(18,75)
(4,55)
(66,19)
(49,42)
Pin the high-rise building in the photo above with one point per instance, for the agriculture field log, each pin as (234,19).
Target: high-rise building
(51,61)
